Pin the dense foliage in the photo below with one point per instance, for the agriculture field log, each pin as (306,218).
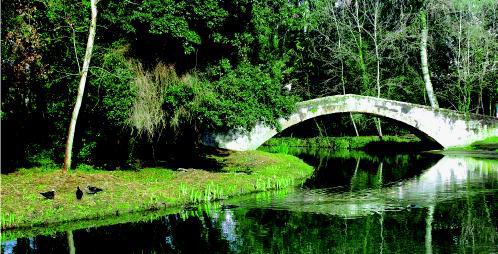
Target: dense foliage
(166,70)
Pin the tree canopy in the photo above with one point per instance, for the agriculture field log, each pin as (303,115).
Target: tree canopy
(166,70)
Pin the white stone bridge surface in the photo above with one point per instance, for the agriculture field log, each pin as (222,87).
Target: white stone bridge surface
(447,127)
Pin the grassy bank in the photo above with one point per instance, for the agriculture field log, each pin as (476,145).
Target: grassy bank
(282,144)
(489,144)
(137,217)
(147,189)
(486,148)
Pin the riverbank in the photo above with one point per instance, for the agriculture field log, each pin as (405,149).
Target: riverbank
(365,143)
(487,148)
(143,190)
(484,154)
(489,144)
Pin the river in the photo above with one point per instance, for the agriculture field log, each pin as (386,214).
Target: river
(354,203)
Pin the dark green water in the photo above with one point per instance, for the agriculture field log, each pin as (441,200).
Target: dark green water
(354,203)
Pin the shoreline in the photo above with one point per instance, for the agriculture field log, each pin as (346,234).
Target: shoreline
(485,154)
(131,192)
(388,143)
(487,148)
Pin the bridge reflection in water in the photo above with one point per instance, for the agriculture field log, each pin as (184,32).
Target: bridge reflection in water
(450,178)
(436,189)
(370,204)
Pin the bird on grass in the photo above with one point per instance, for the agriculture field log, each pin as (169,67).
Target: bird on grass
(93,189)
(79,193)
(48,194)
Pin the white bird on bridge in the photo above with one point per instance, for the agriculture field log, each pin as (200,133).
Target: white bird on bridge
(288,86)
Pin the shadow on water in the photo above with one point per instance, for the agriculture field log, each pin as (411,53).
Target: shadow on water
(358,203)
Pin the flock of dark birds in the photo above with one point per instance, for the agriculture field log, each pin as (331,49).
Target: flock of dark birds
(79,193)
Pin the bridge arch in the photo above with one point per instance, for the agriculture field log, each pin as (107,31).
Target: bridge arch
(446,127)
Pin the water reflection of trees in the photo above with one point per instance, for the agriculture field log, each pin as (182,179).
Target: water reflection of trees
(360,170)
(464,225)
(471,222)
(458,213)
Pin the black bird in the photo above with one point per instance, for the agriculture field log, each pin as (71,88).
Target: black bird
(93,189)
(49,194)
(79,193)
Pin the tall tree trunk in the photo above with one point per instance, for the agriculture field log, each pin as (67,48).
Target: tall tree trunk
(361,61)
(342,70)
(81,88)
(70,242)
(377,56)
(362,64)
(428,229)
(354,124)
(424,62)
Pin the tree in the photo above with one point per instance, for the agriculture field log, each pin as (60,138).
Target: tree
(81,88)
(423,59)
(472,56)
(358,46)
(375,38)
(342,69)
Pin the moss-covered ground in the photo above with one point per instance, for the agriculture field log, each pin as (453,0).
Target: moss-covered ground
(147,189)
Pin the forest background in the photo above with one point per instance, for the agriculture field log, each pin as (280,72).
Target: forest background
(164,72)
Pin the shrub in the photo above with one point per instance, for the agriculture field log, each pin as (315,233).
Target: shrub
(147,116)
(247,95)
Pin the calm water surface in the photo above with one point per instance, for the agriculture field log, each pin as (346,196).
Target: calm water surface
(354,203)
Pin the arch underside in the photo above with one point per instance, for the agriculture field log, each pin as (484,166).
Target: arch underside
(412,124)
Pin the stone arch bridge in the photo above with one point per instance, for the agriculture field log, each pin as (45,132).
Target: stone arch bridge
(447,127)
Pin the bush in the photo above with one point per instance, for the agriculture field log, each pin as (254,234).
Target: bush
(113,83)
(249,95)
(42,159)
(240,98)
(147,116)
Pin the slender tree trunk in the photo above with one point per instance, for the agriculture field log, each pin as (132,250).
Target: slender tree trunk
(342,71)
(353,178)
(378,126)
(81,88)
(376,45)
(70,242)
(361,62)
(377,56)
(382,242)
(363,66)
(380,179)
(428,229)
(344,92)
(424,61)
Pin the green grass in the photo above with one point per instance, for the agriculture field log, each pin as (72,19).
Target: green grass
(488,144)
(148,189)
(282,144)
(139,216)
